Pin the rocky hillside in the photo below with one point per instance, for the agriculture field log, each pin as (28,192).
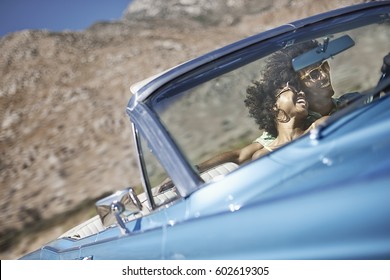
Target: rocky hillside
(65,139)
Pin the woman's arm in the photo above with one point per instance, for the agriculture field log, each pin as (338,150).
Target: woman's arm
(238,156)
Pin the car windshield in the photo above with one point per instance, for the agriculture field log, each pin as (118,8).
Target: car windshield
(208,114)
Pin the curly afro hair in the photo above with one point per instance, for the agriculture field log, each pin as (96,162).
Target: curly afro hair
(261,95)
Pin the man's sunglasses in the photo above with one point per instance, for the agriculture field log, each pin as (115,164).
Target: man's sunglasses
(316,73)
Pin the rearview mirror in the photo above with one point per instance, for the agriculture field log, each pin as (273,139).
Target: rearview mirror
(324,51)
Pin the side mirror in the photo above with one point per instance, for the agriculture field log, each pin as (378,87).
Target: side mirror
(118,207)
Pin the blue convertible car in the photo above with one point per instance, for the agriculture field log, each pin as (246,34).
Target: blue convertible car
(323,195)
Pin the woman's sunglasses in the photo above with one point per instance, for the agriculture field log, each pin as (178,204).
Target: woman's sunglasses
(286,88)
(316,73)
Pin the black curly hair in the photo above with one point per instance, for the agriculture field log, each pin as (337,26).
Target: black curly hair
(261,95)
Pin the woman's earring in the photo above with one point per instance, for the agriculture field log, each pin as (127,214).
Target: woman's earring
(282,116)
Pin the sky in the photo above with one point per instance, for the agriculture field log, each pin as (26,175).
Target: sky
(57,15)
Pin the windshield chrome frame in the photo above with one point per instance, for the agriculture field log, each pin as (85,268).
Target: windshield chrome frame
(165,150)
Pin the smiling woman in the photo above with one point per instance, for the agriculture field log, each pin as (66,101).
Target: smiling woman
(287,114)
(57,15)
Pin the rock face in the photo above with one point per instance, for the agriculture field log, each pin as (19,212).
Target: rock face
(64,134)
(204,12)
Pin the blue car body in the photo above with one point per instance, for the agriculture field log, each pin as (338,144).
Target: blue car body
(325,195)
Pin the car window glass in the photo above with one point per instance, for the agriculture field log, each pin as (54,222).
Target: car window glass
(156,178)
(352,70)
(211,118)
